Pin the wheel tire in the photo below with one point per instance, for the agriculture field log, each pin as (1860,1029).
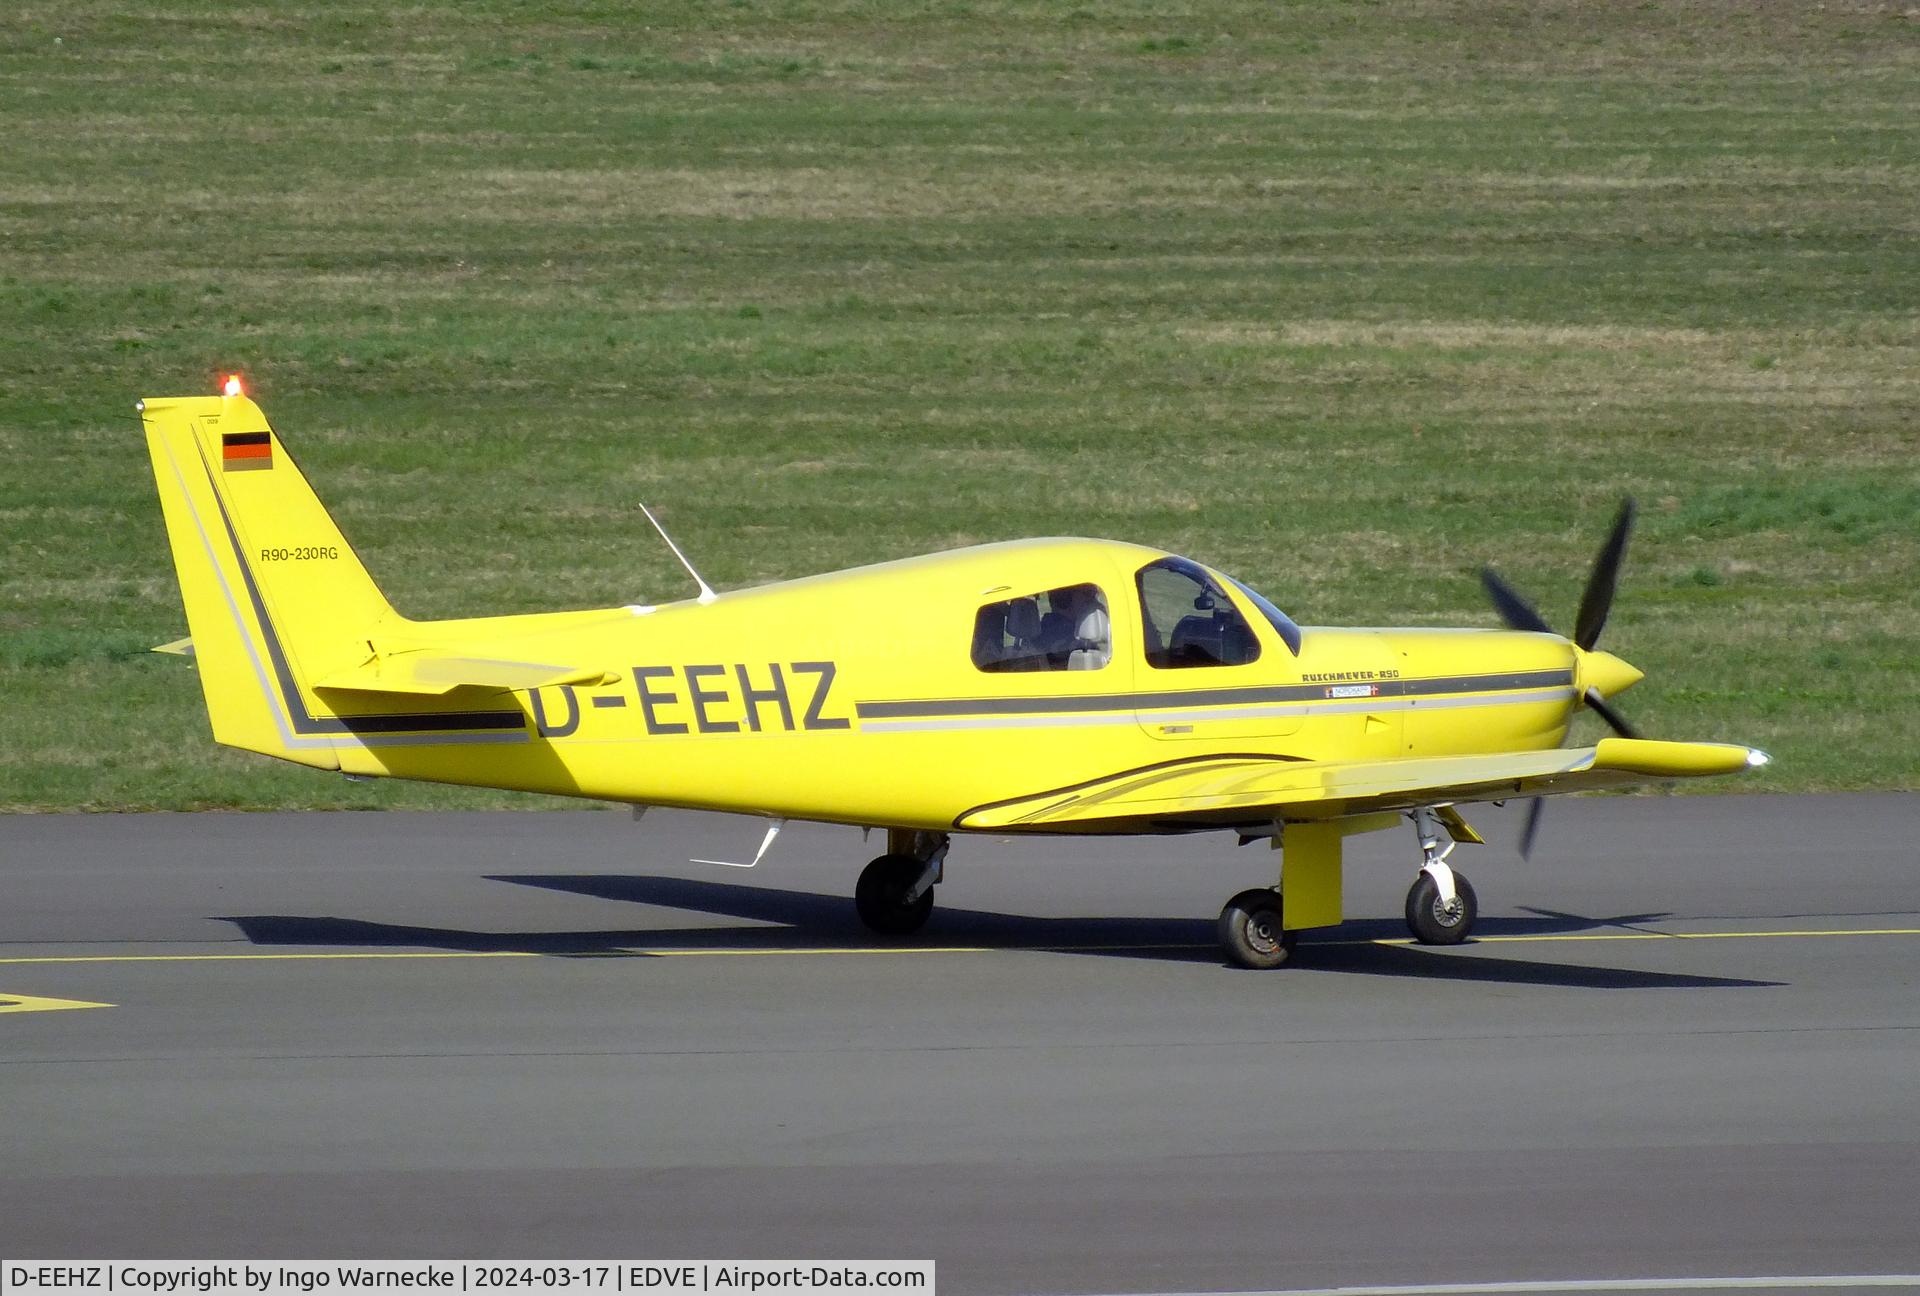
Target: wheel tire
(880,896)
(1252,930)
(1430,923)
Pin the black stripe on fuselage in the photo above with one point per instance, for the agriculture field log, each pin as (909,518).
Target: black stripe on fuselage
(304,721)
(1450,684)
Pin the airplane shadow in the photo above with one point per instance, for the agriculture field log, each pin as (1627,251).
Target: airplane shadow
(807,920)
(1428,964)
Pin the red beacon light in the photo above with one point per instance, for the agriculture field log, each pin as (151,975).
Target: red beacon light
(232,386)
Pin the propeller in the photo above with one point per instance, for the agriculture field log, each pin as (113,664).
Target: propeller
(1532,826)
(1605,710)
(1595,602)
(1513,609)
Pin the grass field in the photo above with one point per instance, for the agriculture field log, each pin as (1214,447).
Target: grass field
(1346,298)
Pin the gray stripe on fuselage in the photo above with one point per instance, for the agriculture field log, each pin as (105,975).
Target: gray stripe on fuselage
(1268,694)
(1342,707)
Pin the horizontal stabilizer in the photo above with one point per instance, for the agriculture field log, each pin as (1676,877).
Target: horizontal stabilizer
(178,648)
(434,673)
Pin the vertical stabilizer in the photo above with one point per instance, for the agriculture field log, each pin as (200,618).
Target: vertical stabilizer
(274,595)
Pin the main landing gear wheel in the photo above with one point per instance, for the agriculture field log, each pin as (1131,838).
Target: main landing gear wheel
(1433,923)
(1251,929)
(880,897)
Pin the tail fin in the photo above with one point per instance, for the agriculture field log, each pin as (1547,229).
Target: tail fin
(275,597)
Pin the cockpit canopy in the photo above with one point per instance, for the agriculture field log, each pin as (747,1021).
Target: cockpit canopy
(1187,617)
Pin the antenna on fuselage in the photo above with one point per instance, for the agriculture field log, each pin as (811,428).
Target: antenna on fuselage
(773,830)
(706,591)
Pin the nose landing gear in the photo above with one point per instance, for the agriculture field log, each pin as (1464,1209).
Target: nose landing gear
(1434,921)
(1441,905)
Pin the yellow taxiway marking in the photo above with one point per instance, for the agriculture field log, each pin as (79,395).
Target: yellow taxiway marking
(630,952)
(928,949)
(260,958)
(11,1003)
(1654,936)
(797,950)
(804,949)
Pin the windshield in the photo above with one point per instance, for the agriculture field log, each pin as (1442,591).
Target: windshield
(1189,620)
(1281,622)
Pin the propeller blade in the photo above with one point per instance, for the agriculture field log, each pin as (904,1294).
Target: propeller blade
(1604,709)
(1531,828)
(1514,610)
(1598,599)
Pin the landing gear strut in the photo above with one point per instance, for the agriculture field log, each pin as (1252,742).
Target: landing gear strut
(895,893)
(1441,906)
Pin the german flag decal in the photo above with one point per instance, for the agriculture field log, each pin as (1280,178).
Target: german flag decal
(243,451)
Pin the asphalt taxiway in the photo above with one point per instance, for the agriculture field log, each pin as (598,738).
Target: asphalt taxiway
(1687,1044)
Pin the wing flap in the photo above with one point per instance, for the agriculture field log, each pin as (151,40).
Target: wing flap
(1242,790)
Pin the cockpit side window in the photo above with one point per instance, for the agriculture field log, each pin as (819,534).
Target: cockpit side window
(1189,620)
(1057,629)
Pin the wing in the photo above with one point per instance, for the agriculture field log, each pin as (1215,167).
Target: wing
(1246,791)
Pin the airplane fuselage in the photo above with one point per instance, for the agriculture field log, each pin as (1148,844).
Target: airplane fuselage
(854,697)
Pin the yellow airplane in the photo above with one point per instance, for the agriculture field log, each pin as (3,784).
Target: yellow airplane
(1034,686)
